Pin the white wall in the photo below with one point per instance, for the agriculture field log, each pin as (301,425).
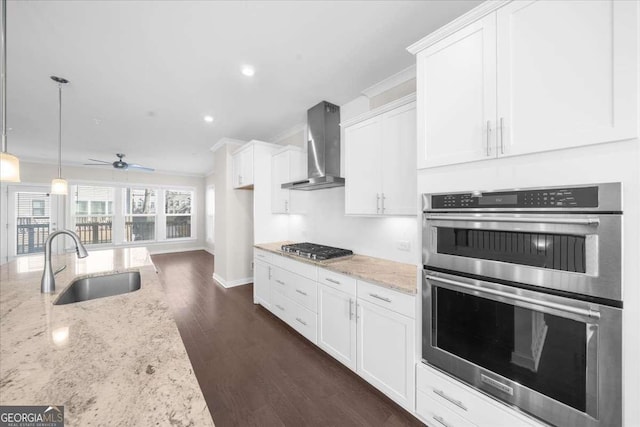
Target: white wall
(614,162)
(42,173)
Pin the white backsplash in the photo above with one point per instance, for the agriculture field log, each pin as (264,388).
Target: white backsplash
(325,223)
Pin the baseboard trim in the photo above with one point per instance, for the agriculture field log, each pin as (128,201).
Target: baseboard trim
(208,249)
(232,283)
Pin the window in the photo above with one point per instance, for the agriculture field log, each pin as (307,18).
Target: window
(37,208)
(140,214)
(93,225)
(178,213)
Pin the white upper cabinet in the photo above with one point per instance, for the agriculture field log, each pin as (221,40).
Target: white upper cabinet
(363,164)
(567,74)
(380,176)
(530,76)
(287,165)
(456,80)
(242,167)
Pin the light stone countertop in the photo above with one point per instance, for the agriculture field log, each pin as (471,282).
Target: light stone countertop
(390,274)
(116,361)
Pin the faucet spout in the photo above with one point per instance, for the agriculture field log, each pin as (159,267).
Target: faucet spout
(48,282)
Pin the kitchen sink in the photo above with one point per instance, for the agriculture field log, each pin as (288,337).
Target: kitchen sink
(100,287)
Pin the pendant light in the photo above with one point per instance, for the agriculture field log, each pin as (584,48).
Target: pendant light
(9,164)
(59,185)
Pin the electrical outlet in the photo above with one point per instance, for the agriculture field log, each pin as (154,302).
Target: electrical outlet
(404,245)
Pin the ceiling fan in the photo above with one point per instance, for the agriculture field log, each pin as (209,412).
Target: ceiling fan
(119,164)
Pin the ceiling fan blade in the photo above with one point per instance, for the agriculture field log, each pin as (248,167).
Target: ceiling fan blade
(96,164)
(100,161)
(139,167)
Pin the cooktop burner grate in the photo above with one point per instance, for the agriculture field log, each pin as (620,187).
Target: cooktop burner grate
(315,251)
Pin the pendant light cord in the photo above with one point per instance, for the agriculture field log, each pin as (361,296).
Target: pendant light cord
(4,76)
(59,130)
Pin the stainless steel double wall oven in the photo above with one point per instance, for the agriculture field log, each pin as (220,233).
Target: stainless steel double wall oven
(522,298)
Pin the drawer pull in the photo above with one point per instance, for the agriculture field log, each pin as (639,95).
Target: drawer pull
(260,256)
(329,279)
(301,292)
(280,281)
(385,299)
(280,307)
(301,321)
(443,395)
(441,420)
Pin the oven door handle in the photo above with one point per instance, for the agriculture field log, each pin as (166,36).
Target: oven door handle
(537,220)
(579,311)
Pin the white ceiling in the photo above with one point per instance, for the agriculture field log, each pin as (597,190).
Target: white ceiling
(144,73)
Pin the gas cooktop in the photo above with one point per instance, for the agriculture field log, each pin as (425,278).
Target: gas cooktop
(315,252)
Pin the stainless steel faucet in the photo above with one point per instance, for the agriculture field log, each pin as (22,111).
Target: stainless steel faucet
(48,282)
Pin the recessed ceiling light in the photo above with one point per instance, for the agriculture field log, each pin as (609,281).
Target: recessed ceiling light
(208,119)
(248,70)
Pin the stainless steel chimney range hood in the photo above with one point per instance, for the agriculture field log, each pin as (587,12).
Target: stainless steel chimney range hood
(323,149)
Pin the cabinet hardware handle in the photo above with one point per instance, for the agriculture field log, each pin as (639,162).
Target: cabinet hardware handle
(488,138)
(443,395)
(385,299)
(441,420)
(280,307)
(383,202)
(286,206)
(280,281)
(260,255)
(377,202)
(329,279)
(350,309)
(358,310)
(269,272)
(240,179)
(301,321)
(501,135)
(301,293)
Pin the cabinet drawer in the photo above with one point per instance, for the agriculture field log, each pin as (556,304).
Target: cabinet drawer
(337,281)
(304,321)
(262,255)
(280,306)
(437,415)
(465,401)
(387,298)
(279,280)
(303,291)
(301,268)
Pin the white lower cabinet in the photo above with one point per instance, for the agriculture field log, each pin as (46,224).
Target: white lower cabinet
(261,283)
(443,401)
(386,343)
(337,324)
(368,328)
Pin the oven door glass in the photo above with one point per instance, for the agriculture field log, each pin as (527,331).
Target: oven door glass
(554,251)
(541,351)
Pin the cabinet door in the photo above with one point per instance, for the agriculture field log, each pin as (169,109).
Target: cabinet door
(398,161)
(386,352)
(567,74)
(280,173)
(236,170)
(261,278)
(456,81)
(337,325)
(363,180)
(247,167)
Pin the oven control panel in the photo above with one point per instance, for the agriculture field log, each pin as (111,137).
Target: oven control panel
(571,197)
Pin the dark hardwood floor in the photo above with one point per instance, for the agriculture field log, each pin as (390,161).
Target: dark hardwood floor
(253,369)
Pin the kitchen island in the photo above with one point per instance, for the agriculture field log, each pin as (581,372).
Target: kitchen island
(111,361)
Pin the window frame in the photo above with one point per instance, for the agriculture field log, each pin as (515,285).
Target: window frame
(126,214)
(191,215)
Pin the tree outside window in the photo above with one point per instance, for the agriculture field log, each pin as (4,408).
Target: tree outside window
(178,213)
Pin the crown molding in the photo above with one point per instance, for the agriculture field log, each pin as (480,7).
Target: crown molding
(227,141)
(462,21)
(380,110)
(391,82)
